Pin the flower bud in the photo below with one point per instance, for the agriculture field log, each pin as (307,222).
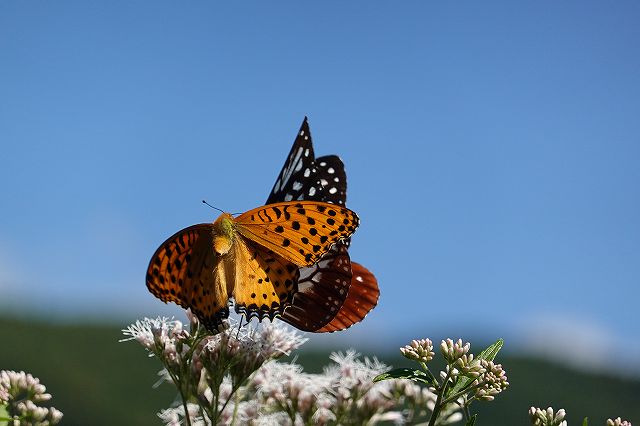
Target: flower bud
(618,422)
(451,350)
(419,350)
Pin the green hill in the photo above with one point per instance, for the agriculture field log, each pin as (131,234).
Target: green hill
(96,380)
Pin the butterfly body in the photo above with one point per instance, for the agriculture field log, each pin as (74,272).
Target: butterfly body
(223,233)
(253,258)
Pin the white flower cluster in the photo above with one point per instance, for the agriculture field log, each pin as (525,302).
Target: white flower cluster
(233,378)
(210,368)
(493,380)
(451,350)
(173,416)
(19,393)
(156,334)
(469,366)
(353,389)
(463,380)
(282,394)
(540,417)
(618,422)
(489,379)
(419,350)
(285,390)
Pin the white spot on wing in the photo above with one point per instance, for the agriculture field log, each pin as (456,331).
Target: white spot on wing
(307,172)
(294,163)
(296,186)
(333,190)
(312,191)
(330,170)
(288,197)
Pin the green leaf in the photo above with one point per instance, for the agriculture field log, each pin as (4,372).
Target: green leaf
(4,415)
(489,354)
(472,420)
(404,373)
(585,422)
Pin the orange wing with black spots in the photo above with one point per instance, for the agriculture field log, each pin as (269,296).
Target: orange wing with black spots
(269,281)
(245,258)
(186,271)
(299,231)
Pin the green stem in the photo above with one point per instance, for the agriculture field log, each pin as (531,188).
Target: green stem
(438,405)
(428,372)
(292,414)
(214,407)
(186,412)
(233,391)
(463,391)
(178,384)
(235,408)
(466,412)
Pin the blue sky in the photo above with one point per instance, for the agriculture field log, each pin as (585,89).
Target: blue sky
(492,151)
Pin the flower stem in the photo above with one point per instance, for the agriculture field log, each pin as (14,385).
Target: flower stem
(176,381)
(186,412)
(235,408)
(463,391)
(467,413)
(438,405)
(234,392)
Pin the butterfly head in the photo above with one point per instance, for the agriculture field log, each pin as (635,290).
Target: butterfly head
(223,232)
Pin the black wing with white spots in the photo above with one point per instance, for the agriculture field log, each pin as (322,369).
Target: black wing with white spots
(330,181)
(297,170)
(305,178)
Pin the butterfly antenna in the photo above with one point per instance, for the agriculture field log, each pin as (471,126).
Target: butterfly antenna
(215,208)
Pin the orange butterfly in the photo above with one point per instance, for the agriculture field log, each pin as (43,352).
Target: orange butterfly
(253,258)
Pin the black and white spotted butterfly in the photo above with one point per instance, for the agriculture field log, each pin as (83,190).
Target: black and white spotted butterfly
(335,293)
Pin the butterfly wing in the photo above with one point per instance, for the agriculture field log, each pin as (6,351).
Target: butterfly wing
(330,181)
(362,298)
(265,282)
(304,178)
(185,270)
(299,231)
(298,167)
(322,290)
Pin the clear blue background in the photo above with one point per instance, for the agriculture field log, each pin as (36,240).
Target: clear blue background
(492,150)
